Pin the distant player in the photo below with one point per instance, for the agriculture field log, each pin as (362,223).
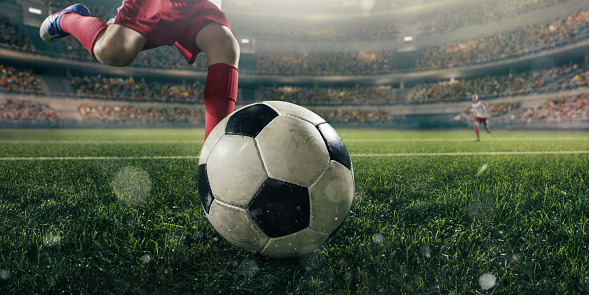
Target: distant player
(481,115)
(192,26)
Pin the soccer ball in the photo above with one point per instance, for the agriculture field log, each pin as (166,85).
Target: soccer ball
(274,178)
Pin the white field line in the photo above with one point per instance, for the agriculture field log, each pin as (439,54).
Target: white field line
(465,139)
(99,141)
(470,154)
(200,141)
(97,158)
(352,155)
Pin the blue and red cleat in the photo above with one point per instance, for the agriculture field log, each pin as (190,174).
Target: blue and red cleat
(50,31)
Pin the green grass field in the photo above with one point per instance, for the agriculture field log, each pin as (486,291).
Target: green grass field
(117,212)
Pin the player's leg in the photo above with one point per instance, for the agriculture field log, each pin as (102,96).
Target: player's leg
(118,46)
(486,122)
(112,45)
(220,91)
(476,130)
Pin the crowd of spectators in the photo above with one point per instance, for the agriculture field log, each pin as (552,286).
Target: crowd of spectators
(443,20)
(503,45)
(360,95)
(578,80)
(20,81)
(25,111)
(331,33)
(553,79)
(130,89)
(569,110)
(489,48)
(490,11)
(482,49)
(572,110)
(560,110)
(140,116)
(355,117)
(514,83)
(12,36)
(332,63)
(566,109)
(326,7)
(133,115)
(478,50)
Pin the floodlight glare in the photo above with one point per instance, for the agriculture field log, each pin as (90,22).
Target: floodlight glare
(34,10)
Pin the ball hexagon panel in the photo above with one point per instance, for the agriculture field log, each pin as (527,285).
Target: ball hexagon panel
(212,139)
(293,110)
(292,150)
(280,208)
(250,120)
(235,170)
(296,244)
(331,198)
(235,225)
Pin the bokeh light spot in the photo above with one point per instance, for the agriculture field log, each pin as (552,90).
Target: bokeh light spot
(487,281)
(145,259)
(132,185)
(51,239)
(4,274)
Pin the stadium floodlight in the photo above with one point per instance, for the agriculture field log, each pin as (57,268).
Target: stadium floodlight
(408,38)
(34,10)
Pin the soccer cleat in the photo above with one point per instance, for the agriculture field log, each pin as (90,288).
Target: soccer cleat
(488,131)
(50,30)
(476,140)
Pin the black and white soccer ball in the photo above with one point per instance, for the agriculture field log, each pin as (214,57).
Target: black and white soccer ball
(274,178)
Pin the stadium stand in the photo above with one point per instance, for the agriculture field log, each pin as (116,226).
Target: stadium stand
(366,87)
(18,112)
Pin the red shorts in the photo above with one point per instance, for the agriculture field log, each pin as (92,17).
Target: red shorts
(483,120)
(170,22)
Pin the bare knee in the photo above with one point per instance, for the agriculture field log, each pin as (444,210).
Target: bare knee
(218,44)
(118,46)
(230,52)
(112,56)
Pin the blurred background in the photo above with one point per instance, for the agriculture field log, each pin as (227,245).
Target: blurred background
(357,63)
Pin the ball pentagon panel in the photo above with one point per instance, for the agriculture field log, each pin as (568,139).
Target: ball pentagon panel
(250,120)
(280,208)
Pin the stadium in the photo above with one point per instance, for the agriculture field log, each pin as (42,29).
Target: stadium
(433,211)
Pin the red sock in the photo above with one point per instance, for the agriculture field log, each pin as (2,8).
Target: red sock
(85,28)
(476,130)
(220,94)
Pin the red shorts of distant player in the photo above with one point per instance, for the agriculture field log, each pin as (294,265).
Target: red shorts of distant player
(481,120)
(174,22)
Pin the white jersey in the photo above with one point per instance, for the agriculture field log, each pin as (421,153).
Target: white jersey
(480,109)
